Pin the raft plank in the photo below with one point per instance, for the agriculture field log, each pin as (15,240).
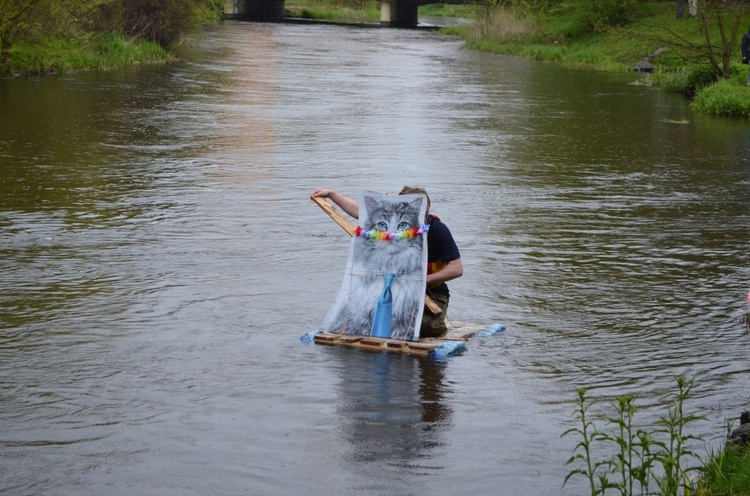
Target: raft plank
(459,331)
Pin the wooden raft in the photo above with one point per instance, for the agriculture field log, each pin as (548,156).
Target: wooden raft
(459,331)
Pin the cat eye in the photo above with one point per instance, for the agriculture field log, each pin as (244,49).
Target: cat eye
(403,225)
(381,226)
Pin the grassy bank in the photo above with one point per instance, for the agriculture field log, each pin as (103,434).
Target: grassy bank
(83,52)
(55,36)
(654,31)
(725,474)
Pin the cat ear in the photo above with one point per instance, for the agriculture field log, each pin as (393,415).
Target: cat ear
(417,205)
(370,202)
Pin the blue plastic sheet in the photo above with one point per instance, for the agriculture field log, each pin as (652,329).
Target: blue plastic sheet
(447,349)
(491,330)
(308,337)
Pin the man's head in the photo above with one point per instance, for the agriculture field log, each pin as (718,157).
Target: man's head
(409,190)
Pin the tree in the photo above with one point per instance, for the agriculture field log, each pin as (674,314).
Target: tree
(30,19)
(14,24)
(720,26)
(720,22)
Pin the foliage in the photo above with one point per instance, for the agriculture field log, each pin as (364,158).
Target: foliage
(725,18)
(94,51)
(447,10)
(688,79)
(727,472)
(676,46)
(163,22)
(588,434)
(600,15)
(643,459)
(712,39)
(498,24)
(32,22)
(725,98)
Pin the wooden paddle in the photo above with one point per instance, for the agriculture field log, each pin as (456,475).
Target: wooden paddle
(349,228)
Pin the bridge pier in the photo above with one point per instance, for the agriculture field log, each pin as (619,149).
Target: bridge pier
(398,14)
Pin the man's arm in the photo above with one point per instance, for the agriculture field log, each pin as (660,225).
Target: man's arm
(452,270)
(346,204)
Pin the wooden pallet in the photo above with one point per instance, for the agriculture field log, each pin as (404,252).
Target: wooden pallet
(459,331)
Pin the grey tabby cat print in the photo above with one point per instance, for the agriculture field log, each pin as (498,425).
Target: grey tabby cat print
(383,290)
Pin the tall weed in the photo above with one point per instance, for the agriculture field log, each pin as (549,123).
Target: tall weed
(643,460)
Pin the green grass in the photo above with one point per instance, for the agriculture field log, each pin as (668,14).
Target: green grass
(83,52)
(726,473)
(726,98)
(565,41)
(351,13)
(448,10)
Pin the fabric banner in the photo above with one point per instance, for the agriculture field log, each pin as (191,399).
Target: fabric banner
(383,290)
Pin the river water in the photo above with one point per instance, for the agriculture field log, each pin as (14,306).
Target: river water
(160,257)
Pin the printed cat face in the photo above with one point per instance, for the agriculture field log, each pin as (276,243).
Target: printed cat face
(388,216)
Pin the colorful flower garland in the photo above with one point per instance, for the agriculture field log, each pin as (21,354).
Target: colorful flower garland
(386,236)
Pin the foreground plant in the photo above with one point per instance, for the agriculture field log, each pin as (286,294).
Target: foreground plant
(673,453)
(642,458)
(582,450)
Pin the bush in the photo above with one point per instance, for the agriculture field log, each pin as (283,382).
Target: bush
(725,98)
(600,15)
(689,80)
(163,22)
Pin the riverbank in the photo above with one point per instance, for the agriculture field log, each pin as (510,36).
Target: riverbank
(672,49)
(650,37)
(56,37)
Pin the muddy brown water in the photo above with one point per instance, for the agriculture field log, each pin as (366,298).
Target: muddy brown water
(160,257)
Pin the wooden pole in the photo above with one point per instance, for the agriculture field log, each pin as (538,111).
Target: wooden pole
(349,228)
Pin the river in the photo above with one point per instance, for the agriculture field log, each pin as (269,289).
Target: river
(160,258)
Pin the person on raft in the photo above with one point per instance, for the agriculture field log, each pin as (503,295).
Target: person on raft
(443,258)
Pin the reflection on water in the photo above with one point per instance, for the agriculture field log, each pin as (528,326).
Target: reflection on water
(393,415)
(160,256)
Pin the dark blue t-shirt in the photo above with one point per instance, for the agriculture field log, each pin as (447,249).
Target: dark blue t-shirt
(441,249)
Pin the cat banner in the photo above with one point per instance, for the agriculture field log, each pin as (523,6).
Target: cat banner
(383,291)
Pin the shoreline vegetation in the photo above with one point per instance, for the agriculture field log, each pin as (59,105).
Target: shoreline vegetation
(45,37)
(655,459)
(696,55)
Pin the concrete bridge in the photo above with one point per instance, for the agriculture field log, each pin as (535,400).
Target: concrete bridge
(393,13)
